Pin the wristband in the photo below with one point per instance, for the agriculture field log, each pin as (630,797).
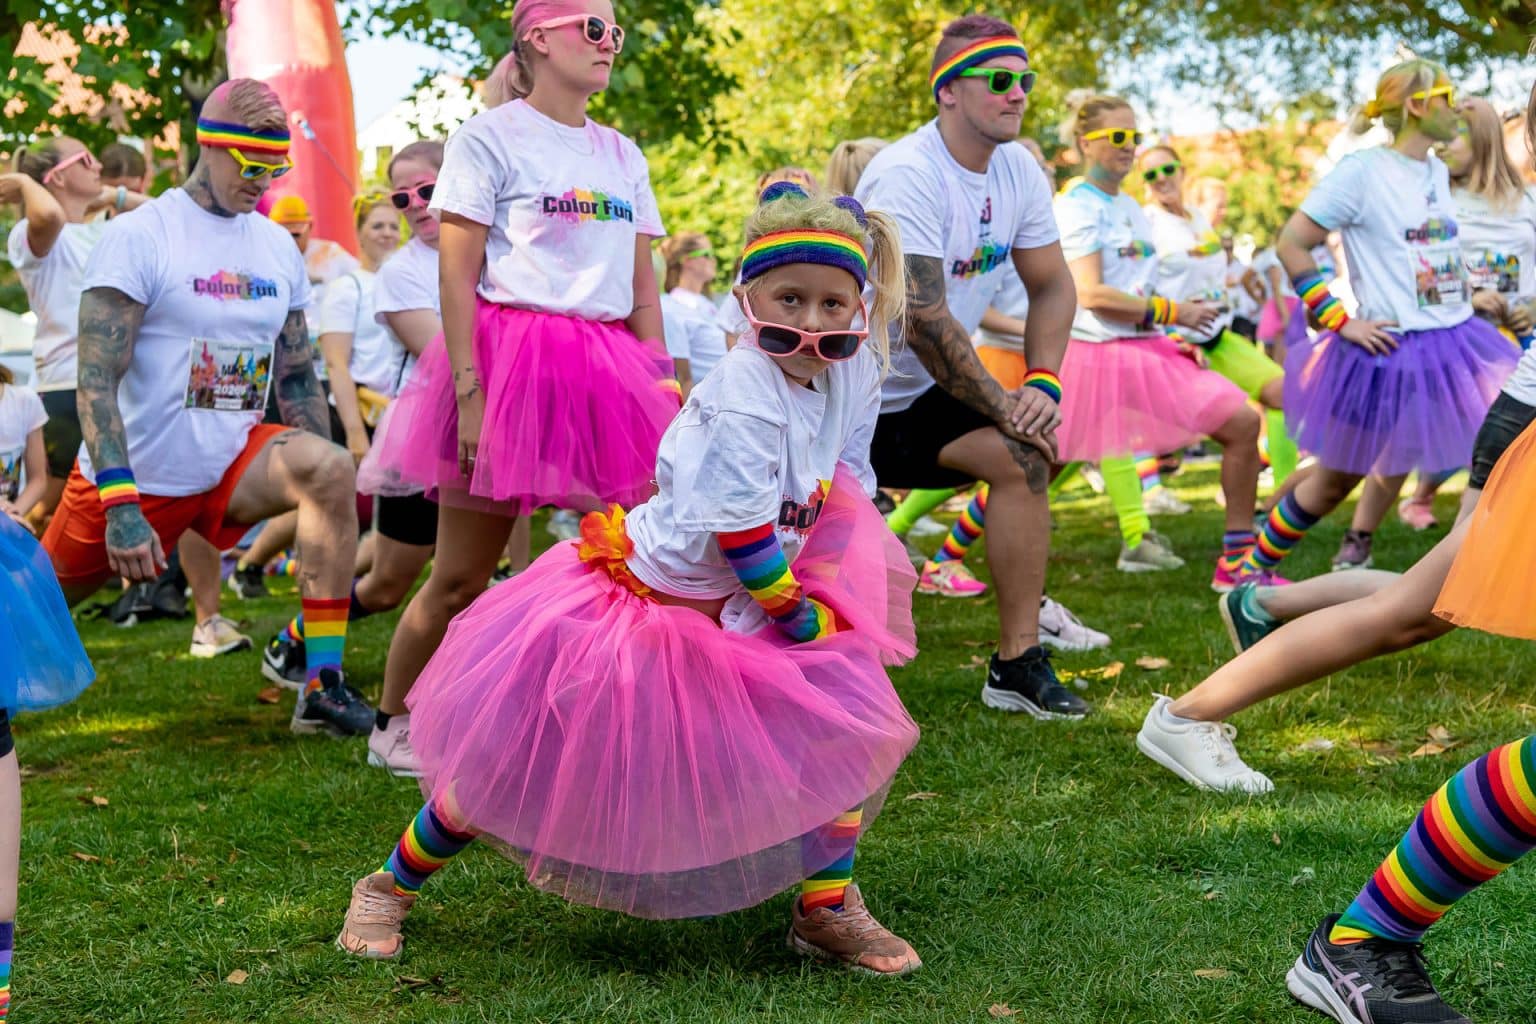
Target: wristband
(116,487)
(1328,310)
(1045,381)
(1160,311)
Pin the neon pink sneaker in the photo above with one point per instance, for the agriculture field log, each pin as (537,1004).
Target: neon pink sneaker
(1419,514)
(1227,577)
(949,579)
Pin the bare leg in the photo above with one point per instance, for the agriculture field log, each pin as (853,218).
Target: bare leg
(1272,394)
(1239,439)
(1018,531)
(518,544)
(1395,618)
(10,834)
(468,547)
(200,561)
(1375,499)
(395,568)
(364,560)
(1334,588)
(277,536)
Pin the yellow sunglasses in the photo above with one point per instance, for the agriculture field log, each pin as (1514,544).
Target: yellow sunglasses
(250,170)
(1118,137)
(1448,91)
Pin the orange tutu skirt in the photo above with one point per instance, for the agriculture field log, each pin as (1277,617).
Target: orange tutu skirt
(1492,584)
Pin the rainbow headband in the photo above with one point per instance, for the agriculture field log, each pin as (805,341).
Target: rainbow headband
(781,248)
(978,52)
(223,135)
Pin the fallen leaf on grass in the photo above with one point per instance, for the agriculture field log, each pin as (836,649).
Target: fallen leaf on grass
(1152,664)
(1110,671)
(1213,973)
(237,977)
(1431,749)
(85,858)
(1307,877)
(219,902)
(976,662)
(95,801)
(1378,748)
(1317,745)
(410,984)
(925,795)
(1002,1010)
(1214,894)
(1440,734)
(1274,837)
(269,695)
(202,807)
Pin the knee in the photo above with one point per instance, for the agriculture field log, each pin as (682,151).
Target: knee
(451,595)
(325,474)
(1405,626)
(387,591)
(1242,428)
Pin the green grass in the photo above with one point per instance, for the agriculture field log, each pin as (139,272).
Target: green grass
(1047,867)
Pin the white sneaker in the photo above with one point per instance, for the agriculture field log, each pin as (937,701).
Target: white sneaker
(927,526)
(1062,630)
(390,748)
(1200,753)
(1163,502)
(1153,554)
(217,636)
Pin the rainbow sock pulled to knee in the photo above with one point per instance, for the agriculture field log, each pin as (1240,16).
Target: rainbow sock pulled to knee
(966,529)
(1235,545)
(325,637)
(1288,522)
(428,843)
(826,888)
(1146,472)
(7,942)
(294,631)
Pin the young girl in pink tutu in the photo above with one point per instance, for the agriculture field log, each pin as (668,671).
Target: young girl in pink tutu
(687,711)
(550,385)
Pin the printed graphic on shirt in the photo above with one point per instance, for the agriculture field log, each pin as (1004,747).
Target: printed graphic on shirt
(10,473)
(801,516)
(1136,250)
(578,205)
(1495,271)
(229,377)
(987,256)
(1433,230)
(1439,275)
(227,285)
(1209,245)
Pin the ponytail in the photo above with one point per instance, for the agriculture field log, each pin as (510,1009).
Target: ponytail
(888,276)
(509,80)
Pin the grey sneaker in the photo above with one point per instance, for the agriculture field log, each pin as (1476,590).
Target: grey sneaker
(1163,502)
(217,636)
(1153,554)
(1372,982)
(1354,551)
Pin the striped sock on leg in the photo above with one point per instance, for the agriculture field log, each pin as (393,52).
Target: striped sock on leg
(839,839)
(966,529)
(428,844)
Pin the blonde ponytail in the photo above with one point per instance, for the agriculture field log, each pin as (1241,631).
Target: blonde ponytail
(888,277)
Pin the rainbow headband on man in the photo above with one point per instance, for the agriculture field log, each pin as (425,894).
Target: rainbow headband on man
(249,141)
(978,52)
(806,245)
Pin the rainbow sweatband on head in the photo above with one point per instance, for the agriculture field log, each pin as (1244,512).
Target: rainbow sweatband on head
(224,135)
(1046,381)
(781,248)
(116,487)
(979,52)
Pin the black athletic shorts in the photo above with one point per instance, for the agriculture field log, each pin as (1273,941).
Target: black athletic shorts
(905,450)
(1506,420)
(408,520)
(61,434)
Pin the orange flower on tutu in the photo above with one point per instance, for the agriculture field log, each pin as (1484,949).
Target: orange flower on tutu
(606,545)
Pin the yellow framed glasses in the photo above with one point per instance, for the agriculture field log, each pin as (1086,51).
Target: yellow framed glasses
(1118,137)
(1448,91)
(250,170)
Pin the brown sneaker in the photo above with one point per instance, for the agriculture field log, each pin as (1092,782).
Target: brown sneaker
(853,937)
(372,927)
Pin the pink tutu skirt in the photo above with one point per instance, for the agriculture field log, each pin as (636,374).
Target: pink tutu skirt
(1137,395)
(574,412)
(640,757)
(1418,407)
(1269,321)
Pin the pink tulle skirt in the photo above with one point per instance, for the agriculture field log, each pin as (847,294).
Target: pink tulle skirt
(1269,319)
(574,412)
(1137,395)
(640,756)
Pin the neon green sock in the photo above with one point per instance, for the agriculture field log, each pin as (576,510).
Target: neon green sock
(1123,486)
(1070,472)
(1282,449)
(916,505)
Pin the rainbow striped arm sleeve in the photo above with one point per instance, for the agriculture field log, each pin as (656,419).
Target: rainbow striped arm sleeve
(1314,293)
(758,561)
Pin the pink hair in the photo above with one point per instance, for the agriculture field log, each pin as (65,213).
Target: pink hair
(512,78)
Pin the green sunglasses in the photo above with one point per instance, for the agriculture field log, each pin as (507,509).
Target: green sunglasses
(700,254)
(1167,170)
(1001,81)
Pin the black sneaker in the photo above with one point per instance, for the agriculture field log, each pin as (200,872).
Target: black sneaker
(283,662)
(1028,683)
(135,606)
(335,708)
(1244,629)
(1370,982)
(250,583)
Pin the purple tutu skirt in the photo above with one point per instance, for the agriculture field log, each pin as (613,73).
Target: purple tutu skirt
(641,757)
(574,412)
(1137,395)
(1418,407)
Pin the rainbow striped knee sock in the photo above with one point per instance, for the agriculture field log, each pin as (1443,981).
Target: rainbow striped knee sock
(294,631)
(1478,824)
(325,637)
(1146,472)
(966,529)
(1288,522)
(826,887)
(7,941)
(428,844)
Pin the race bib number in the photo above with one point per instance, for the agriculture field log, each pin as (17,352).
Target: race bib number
(229,377)
(1493,271)
(11,463)
(1440,277)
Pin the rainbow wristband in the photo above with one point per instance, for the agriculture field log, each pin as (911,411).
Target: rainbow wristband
(1160,311)
(116,487)
(1328,310)
(1045,381)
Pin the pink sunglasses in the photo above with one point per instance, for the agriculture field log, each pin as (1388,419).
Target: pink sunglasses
(84,156)
(781,342)
(593,29)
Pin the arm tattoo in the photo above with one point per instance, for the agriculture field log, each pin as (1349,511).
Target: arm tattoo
(109,324)
(942,345)
(300,402)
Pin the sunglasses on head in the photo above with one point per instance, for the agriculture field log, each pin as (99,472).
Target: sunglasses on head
(1448,91)
(1167,170)
(250,170)
(704,253)
(593,29)
(403,198)
(1001,80)
(1118,137)
(781,342)
(85,157)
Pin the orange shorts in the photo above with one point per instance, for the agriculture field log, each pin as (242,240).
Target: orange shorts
(1007,368)
(76,539)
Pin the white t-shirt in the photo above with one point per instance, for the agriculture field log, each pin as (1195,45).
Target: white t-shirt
(1401,237)
(1190,264)
(1243,303)
(202,362)
(325,261)
(21,412)
(1012,299)
(1498,245)
(378,361)
(1263,262)
(407,280)
(972,222)
(1093,221)
(692,331)
(53,286)
(563,204)
(750,446)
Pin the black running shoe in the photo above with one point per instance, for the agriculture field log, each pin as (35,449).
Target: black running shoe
(335,708)
(283,662)
(1370,982)
(135,606)
(1028,683)
(250,583)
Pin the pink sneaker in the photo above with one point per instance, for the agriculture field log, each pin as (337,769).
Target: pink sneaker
(949,579)
(1417,513)
(1227,577)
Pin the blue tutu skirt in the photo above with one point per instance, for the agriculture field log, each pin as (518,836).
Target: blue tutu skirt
(1418,407)
(42,664)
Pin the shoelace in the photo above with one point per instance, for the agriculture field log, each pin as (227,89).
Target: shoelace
(378,909)
(1218,737)
(1401,965)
